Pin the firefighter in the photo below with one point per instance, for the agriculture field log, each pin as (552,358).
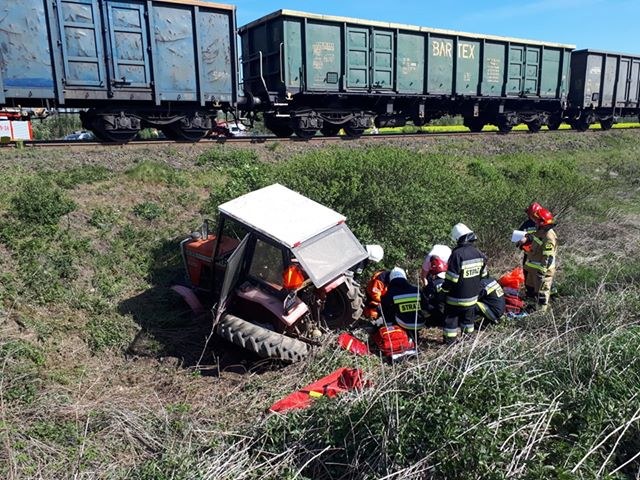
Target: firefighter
(491,301)
(377,285)
(466,267)
(442,252)
(528,226)
(432,297)
(541,261)
(376,288)
(401,302)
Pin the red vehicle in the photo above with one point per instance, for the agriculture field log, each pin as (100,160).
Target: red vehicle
(278,272)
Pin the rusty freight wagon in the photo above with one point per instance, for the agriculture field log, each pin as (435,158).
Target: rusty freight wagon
(315,72)
(604,86)
(169,64)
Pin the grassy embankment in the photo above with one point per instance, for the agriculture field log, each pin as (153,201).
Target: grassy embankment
(90,335)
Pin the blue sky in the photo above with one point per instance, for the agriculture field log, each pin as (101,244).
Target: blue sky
(598,24)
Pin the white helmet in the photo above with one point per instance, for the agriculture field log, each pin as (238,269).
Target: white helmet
(397,272)
(459,230)
(443,252)
(376,252)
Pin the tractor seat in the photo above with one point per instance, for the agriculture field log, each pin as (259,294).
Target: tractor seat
(273,304)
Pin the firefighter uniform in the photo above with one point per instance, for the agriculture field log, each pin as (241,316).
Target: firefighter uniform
(432,300)
(401,305)
(375,290)
(541,265)
(491,301)
(467,266)
(528,226)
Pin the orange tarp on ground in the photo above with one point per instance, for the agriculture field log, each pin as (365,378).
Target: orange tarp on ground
(342,380)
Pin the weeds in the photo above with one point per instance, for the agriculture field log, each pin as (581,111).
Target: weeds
(148,210)
(154,172)
(553,396)
(40,202)
(227,157)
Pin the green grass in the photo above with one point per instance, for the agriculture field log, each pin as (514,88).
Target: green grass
(98,371)
(488,128)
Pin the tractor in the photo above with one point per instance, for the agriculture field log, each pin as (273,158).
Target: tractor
(279,271)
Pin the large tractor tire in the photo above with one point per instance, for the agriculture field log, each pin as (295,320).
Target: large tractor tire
(344,304)
(260,340)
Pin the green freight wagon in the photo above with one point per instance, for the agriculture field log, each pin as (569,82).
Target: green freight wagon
(315,72)
(604,86)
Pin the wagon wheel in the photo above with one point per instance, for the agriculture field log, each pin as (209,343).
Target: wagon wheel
(177,131)
(580,125)
(474,124)
(305,133)
(109,135)
(504,127)
(353,132)
(419,121)
(330,130)
(282,131)
(554,123)
(278,128)
(607,123)
(534,126)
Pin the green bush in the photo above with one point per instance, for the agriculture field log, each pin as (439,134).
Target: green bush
(40,201)
(407,201)
(56,126)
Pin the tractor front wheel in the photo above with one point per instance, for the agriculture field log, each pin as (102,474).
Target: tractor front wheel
(343,305)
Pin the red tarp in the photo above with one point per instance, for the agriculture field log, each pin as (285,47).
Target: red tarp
(341,380)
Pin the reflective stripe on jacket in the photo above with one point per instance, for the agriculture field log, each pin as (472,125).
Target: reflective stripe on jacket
(467,266)
(542,257)
(401,303)
(491,301)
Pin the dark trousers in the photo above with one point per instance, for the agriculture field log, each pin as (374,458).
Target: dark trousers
(458,317)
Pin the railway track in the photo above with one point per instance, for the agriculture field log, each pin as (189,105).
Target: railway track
(267,139)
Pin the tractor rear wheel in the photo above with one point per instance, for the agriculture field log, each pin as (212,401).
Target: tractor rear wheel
(260,340)
(343,305)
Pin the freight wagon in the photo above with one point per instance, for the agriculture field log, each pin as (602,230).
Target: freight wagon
(314,72)
(169,64)
(604,86)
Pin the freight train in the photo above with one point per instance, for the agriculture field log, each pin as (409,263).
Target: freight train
(174,65)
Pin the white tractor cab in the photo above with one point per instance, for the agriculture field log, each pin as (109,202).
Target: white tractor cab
(279,270)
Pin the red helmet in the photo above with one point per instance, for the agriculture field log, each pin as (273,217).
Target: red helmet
(532,210)
(544,218)
(437,265)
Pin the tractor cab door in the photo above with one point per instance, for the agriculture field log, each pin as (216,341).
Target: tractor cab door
(231,276)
